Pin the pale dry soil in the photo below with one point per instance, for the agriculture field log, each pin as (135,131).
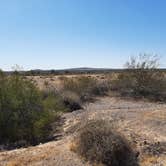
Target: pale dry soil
(43,82)
(142,122)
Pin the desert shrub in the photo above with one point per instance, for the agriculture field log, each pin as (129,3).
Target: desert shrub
(54,103)
(142,79)
(60,100)
(101,88)
(78,85)
(85,87)
(46,83)
(24,116)
(50,90)
(98,142)
(71,100)
(123,83)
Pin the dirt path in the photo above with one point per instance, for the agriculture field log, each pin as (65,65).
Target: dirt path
(143,123)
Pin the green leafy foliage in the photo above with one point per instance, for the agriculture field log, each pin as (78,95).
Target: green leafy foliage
(25,115)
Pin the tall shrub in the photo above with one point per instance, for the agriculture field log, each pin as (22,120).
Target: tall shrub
(142,78)
(22,114)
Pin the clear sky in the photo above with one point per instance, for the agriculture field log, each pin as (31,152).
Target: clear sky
(54,34)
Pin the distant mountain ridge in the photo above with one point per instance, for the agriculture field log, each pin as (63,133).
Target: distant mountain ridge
(79,70)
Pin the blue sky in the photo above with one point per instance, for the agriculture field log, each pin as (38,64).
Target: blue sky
(58,34)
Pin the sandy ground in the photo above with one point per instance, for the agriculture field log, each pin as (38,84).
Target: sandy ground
(55,81)
(143,123)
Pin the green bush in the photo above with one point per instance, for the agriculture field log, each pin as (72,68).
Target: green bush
(98,143)
(54,103)
(24,115)
(142,79)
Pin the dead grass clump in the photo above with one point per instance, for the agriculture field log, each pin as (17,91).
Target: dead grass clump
(97,142)
(85,87)
(101,88)
(71,100)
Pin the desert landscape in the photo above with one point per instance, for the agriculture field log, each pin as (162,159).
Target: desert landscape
(82,83)
(141,121)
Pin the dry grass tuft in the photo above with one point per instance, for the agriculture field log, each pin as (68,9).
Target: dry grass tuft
(98,142)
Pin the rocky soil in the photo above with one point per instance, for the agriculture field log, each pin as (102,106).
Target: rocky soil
(142,122)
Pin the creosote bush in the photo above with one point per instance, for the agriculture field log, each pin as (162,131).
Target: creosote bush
(25,113)
(142,79)
(98,142)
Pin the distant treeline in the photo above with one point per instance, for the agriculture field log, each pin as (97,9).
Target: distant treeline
(73,71)
(65,72)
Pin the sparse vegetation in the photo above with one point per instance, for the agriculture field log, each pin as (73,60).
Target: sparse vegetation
(142,79)
(71,100)
(98,142)
(31,107)
(85,87)
(26,113)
